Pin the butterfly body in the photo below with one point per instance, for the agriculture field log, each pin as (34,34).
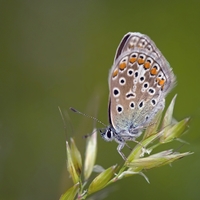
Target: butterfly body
(139,80)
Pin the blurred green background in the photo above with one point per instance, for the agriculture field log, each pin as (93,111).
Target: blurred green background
(58,53)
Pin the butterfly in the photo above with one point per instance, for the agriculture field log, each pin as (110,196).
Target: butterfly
(139,80)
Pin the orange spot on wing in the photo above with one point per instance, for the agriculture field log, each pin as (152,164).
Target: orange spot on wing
(153,71)
(140,61)
(122,66)
(115,73)
(132,60)
(146,65)
(161,82)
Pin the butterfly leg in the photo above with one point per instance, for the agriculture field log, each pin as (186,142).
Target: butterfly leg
(128,146)
(119,148)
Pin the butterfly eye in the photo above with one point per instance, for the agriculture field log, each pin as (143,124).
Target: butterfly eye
(107,135)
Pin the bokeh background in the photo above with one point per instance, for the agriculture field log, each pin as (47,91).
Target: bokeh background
(58,53)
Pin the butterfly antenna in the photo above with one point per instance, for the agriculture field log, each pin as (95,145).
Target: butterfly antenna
(90,134)
(91,117)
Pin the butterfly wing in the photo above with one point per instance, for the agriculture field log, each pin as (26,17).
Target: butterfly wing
(139,80)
